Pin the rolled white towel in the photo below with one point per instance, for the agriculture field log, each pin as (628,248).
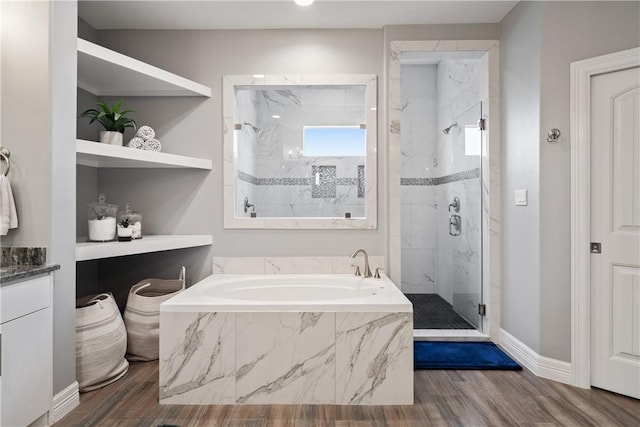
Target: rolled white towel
(8,214)
(136,142)
(152,145)
(146,133)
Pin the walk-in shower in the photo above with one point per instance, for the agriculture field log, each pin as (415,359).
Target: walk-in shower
(441,185)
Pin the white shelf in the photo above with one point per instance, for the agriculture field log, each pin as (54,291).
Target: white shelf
(104,72)
(86,251)
(97,155)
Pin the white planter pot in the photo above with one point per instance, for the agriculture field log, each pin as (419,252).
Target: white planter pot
(113,138)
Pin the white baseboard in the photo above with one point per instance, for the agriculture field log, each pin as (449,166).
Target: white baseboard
(65,401)
(541,366)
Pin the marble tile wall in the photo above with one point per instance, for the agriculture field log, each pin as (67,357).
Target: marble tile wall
(246,148)
(275,145)
(286,358)
(372,353)
(418,156)
(458,279)
(194,367)
(434,170)
(293,265)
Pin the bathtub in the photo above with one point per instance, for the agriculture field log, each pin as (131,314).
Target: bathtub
(287,339)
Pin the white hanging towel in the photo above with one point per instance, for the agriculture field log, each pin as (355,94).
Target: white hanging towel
(8,214)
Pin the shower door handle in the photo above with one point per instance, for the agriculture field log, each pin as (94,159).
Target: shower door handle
(455,225)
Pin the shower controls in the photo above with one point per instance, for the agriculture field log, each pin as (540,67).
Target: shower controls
(455,204)
(248,205)
(455,225)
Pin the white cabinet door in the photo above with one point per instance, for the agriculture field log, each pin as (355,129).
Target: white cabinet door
(26,369)
(26,358)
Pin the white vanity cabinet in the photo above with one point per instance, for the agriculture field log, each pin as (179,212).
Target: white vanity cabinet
(26,351)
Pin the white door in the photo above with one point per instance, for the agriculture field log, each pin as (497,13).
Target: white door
(615,224)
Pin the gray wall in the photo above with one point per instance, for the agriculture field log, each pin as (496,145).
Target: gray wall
(26,118)
(520,56)
(191,202)
(38,112)
(441,32)
(63,37)
(571,31)
(537,294)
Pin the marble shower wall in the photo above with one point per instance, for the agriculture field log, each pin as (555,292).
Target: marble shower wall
(459,258)
(419,159)
(279,176)
(246,146)
(435,169)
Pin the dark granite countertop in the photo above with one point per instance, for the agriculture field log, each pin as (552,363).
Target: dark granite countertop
(20,263)
(21,272)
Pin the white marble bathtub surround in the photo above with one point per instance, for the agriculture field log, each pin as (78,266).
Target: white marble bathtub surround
(290,265)
(294,265)
(491,162)
(238,339)
(194,367)
(285,358)
(374,358)
(238,265)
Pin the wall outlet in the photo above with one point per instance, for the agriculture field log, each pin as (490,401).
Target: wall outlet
(521,198)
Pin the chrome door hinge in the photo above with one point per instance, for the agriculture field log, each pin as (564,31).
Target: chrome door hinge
(482,124)
(482,309)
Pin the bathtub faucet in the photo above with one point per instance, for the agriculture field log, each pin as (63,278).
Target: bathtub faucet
(367,271)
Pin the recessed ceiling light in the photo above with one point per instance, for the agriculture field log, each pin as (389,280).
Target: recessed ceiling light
(304,2)
(275,116)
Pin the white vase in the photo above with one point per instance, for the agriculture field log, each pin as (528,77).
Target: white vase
(109,137)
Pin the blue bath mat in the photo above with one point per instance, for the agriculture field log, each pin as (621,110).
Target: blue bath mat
(461,355)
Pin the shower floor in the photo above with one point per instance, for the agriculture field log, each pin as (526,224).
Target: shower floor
(431,311)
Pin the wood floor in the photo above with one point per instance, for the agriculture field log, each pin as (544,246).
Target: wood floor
(442,398)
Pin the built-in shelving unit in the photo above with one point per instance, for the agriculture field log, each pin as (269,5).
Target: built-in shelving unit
(104,72)
(97,155)
(86,251)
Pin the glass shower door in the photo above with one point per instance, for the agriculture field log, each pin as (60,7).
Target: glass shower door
(465,216)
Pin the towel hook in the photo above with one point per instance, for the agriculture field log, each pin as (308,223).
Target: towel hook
(5,154)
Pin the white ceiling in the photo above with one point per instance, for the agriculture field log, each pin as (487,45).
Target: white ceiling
(284,14)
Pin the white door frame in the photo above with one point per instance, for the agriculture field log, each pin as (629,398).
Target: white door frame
(491,217)
(581,73)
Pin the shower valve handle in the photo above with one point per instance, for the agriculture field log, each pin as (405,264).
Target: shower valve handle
(455,204)
(455,225)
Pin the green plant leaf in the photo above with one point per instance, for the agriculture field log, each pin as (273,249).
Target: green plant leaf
(116,106)
(111,118)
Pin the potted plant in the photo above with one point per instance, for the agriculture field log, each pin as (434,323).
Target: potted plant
(113,120)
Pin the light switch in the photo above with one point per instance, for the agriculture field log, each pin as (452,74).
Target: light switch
(521,198)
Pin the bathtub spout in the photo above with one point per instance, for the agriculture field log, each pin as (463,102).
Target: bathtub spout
(367,270)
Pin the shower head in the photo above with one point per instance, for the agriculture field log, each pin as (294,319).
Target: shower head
(447,130)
